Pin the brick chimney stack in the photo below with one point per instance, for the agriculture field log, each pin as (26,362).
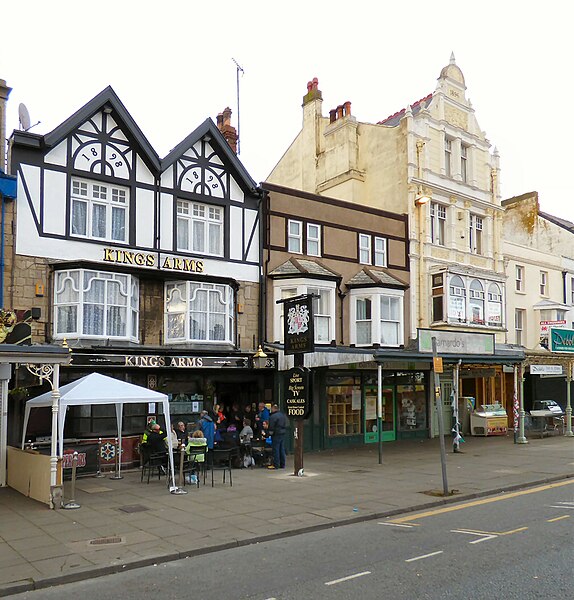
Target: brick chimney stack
(4,93)
(229,132)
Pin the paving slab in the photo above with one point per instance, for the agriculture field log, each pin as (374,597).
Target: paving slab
(40,547)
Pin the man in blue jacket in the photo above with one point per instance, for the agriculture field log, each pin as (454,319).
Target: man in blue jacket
(278,424)
(207,426)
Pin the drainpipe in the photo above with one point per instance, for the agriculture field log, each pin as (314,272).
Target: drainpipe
(263,229)
(2,251)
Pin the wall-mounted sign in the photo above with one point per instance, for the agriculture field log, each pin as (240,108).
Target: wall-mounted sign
(561,340)
(546,369)
(546,325)
(164,262)
(299,333)
(456,342)
(157,361)
(297,393)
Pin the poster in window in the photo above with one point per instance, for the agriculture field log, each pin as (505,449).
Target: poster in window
(456,308)
(495,312)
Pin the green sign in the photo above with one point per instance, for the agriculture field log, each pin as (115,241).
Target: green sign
(562,340)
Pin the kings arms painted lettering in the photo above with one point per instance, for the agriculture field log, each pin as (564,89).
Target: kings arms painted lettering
(146,259)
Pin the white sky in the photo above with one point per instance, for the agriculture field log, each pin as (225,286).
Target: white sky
(171,64)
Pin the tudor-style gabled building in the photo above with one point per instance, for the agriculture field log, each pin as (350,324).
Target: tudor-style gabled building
(148,268)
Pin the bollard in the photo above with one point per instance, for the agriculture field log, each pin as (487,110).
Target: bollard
(99,473)
(116,474)
(179,488)
(72,503)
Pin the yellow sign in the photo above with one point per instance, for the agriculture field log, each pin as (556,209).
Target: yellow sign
(437,364)
(147,259)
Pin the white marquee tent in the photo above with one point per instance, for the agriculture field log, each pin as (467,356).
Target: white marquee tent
(99,389)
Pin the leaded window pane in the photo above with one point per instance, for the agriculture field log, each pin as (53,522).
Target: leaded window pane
(79,217)
(118,223)
(98,220)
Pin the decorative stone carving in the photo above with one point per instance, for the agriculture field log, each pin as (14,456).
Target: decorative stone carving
(456,117)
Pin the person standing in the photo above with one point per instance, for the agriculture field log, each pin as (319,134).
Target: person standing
(278,424)
(207,426)
(262,415)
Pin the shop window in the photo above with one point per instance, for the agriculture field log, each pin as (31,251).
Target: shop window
(95,304)
(99,211)
(199,228)
(344,406)
(411,398)
(199,312)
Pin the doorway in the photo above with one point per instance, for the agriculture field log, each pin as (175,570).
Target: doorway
(446,405)
(388,415)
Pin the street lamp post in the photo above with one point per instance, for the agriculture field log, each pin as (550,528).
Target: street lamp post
(569,432)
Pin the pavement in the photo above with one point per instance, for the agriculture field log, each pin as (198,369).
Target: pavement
(125,524)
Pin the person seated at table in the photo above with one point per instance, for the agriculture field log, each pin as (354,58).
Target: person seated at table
(196,441)
(155,438)
(261,417)
(229,437)
(181,433)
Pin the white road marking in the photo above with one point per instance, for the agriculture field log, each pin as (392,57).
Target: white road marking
(347,578)
(562,507)
(423,556)
(397,525)
(483,536)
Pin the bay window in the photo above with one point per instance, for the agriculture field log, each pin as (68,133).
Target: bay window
(377,317)
(95,304)
(475,301)
(323,306)
(199,312)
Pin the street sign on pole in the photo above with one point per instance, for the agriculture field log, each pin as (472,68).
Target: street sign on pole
(439,410)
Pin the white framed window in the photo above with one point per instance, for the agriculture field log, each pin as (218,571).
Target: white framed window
(364,249)
(457,299)
(543,283)
(447,157)
(464,162)
(372,250)
(199,312)
(377,316)
(323,306)
(494,306)
(475,234)
(313,239)
(519,334)
(199,228)
(95,304)
(519,278)
(99,211)
(438,223)
(295,236)
(476,302)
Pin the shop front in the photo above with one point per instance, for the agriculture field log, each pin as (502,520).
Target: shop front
(192,381)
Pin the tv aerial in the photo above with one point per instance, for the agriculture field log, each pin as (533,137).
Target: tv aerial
(24,118)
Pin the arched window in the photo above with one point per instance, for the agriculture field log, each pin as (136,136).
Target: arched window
(494,305)
(476,302)
(457,300)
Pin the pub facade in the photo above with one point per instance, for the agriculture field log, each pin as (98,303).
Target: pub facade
(147,268)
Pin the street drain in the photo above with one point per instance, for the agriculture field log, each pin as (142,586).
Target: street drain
(133,508)
(359,471)
(106,540)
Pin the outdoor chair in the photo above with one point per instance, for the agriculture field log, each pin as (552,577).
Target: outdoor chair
(196,464)
(222,460)
(151,462)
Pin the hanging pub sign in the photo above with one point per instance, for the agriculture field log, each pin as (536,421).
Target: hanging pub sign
(298,393)
(298,330)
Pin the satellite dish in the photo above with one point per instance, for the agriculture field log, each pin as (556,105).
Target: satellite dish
(24,117)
